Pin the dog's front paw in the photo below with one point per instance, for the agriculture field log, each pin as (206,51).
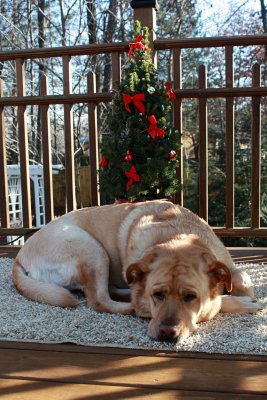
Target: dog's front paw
(184,334)
(240,304)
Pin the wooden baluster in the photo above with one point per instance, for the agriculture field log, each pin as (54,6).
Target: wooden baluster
(203,147)
(177,117)
(93,140)
(23,146)
(69,137)
(47,157)
(4,211)
(256,150)
(116,68)
(230,155)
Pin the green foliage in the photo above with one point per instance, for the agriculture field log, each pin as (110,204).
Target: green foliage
(129,143)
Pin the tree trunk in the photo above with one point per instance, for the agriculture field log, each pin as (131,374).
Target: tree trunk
(264,20)
(63,23)
(91,21)
(109,36)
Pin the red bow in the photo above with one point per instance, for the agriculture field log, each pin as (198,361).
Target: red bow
(170,94)
(137,44)
(136,99)
(132,176)
(104,162)
(153,130)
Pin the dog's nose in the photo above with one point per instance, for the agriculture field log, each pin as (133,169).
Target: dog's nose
(168,332)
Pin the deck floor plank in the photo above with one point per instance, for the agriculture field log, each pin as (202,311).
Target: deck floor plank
(136,370)
(12,389)
(32,371)
(72,349)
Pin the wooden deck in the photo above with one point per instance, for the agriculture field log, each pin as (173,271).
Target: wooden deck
(31,371)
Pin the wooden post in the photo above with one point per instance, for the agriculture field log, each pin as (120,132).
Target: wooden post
(203,147)
(178,118)
(93,140)
(3,169)
(23,146)
(256,150)
(47,153)
(230,147)
(116,69)
(145,12)
(69,137)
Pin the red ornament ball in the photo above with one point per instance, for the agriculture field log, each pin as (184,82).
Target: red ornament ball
(172,154)
(128,156)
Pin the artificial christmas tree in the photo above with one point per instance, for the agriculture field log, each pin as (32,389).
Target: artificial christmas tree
(139,155)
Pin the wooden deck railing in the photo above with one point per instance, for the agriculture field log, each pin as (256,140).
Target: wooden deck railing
(203,93)
(92,98)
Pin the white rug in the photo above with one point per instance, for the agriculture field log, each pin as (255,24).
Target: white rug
(23,320)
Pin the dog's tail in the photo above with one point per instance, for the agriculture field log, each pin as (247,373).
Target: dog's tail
(40,291)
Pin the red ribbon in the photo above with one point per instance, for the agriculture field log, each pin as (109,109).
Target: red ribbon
(170,94)
(132,176)
(153,129)
(136,99)
(104,162)
(137,44)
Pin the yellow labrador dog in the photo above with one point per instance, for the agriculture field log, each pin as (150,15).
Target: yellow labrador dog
(176,267)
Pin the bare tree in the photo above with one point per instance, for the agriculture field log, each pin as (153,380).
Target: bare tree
(264,20)
(91,20)
(110,26)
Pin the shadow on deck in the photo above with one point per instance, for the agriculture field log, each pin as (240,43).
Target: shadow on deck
(32,371)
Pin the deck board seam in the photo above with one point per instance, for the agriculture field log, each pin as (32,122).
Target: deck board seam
(170,387)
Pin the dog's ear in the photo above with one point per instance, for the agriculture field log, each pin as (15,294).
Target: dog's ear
(220,273)
(136,271)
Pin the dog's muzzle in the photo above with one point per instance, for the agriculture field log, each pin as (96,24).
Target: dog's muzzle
(168,332)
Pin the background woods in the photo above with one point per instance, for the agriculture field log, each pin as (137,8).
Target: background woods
(56,23)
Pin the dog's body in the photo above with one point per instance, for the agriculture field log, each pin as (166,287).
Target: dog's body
(175,265)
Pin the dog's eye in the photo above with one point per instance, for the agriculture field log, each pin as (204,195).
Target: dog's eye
(160,296)
(189,297)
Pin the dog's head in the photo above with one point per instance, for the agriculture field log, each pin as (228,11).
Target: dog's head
(177,284)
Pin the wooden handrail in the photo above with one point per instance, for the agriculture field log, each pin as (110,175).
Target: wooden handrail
(221,92)
(107,97)
(240,232)
(220,231)
(216,41)
(48,52)
(56,99)
(159,44)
